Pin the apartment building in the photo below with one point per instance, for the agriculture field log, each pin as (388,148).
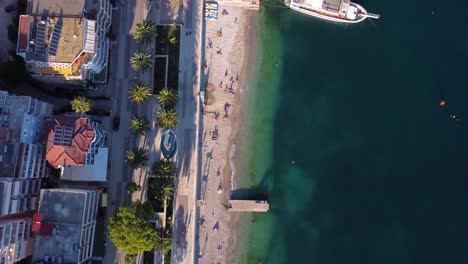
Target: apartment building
(22,150)
(75,144)
(65,226)
(64,41)
(16,242)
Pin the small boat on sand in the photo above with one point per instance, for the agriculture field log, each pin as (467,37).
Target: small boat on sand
(341,11)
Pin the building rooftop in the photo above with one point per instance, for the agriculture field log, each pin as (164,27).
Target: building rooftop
(68,141)
(62,206)
(10,161)
(96,172)
(23,32)
(57,7)
(12,109)
(58,39)
(64,209)
(23,117)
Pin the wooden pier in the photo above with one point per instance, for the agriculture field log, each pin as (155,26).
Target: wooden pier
(248,206)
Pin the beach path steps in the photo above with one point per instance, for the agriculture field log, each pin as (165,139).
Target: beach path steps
(248,206)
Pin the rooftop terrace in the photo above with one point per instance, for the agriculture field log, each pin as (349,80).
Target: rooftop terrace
(64,208)
(56,40)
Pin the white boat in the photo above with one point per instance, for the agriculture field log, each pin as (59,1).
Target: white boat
(342,11)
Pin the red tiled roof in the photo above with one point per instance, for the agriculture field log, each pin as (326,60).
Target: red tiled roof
(23,33)
(75,153)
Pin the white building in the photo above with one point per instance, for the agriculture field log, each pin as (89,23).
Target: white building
(16,242)
(22,151)
(65,41)
(76,146)
(65,225)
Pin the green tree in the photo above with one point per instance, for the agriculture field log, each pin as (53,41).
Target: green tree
(144,32)
(129,259)
(133,187)
(139,92)
(139,125)
(172,34)
(163,240)
(141,61)
(136,158)
(163,168)
(81,104)
(167,118)
(167,98)
(166,192)
(162,188)
(130,230)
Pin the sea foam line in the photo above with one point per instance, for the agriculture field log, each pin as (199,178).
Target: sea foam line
(231,164)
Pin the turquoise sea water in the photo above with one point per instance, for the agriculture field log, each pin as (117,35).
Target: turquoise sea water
(381,170)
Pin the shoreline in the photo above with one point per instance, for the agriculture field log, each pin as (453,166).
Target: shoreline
(237,139)
(227,79)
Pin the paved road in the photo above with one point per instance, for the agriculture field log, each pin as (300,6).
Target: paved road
(121,76)
(186,211)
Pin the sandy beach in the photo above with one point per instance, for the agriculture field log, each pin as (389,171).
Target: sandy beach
(225,78)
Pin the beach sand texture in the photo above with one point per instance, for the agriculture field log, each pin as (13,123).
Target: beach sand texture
(225,54)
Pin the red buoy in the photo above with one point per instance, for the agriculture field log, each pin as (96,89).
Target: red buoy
(442,103)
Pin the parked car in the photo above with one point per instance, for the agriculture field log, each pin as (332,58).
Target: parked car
(116,123)
(10,8)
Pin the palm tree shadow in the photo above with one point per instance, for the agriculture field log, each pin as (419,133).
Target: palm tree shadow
(180,250)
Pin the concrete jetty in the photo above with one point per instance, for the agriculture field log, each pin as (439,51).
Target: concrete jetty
(248,206)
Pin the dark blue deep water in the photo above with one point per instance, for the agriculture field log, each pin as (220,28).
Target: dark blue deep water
(380,170)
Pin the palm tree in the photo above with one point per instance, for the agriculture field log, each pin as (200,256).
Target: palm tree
(136,158)
(133,187)
(139,125)
(81,104)
(144,31)
(172,34)
(141,61)
(163,241)
(166,192)
(167,118)
(139,92)
(167,98)
(163,168)
(162,188)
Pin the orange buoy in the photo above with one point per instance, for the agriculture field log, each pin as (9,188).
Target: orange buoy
(442,103)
